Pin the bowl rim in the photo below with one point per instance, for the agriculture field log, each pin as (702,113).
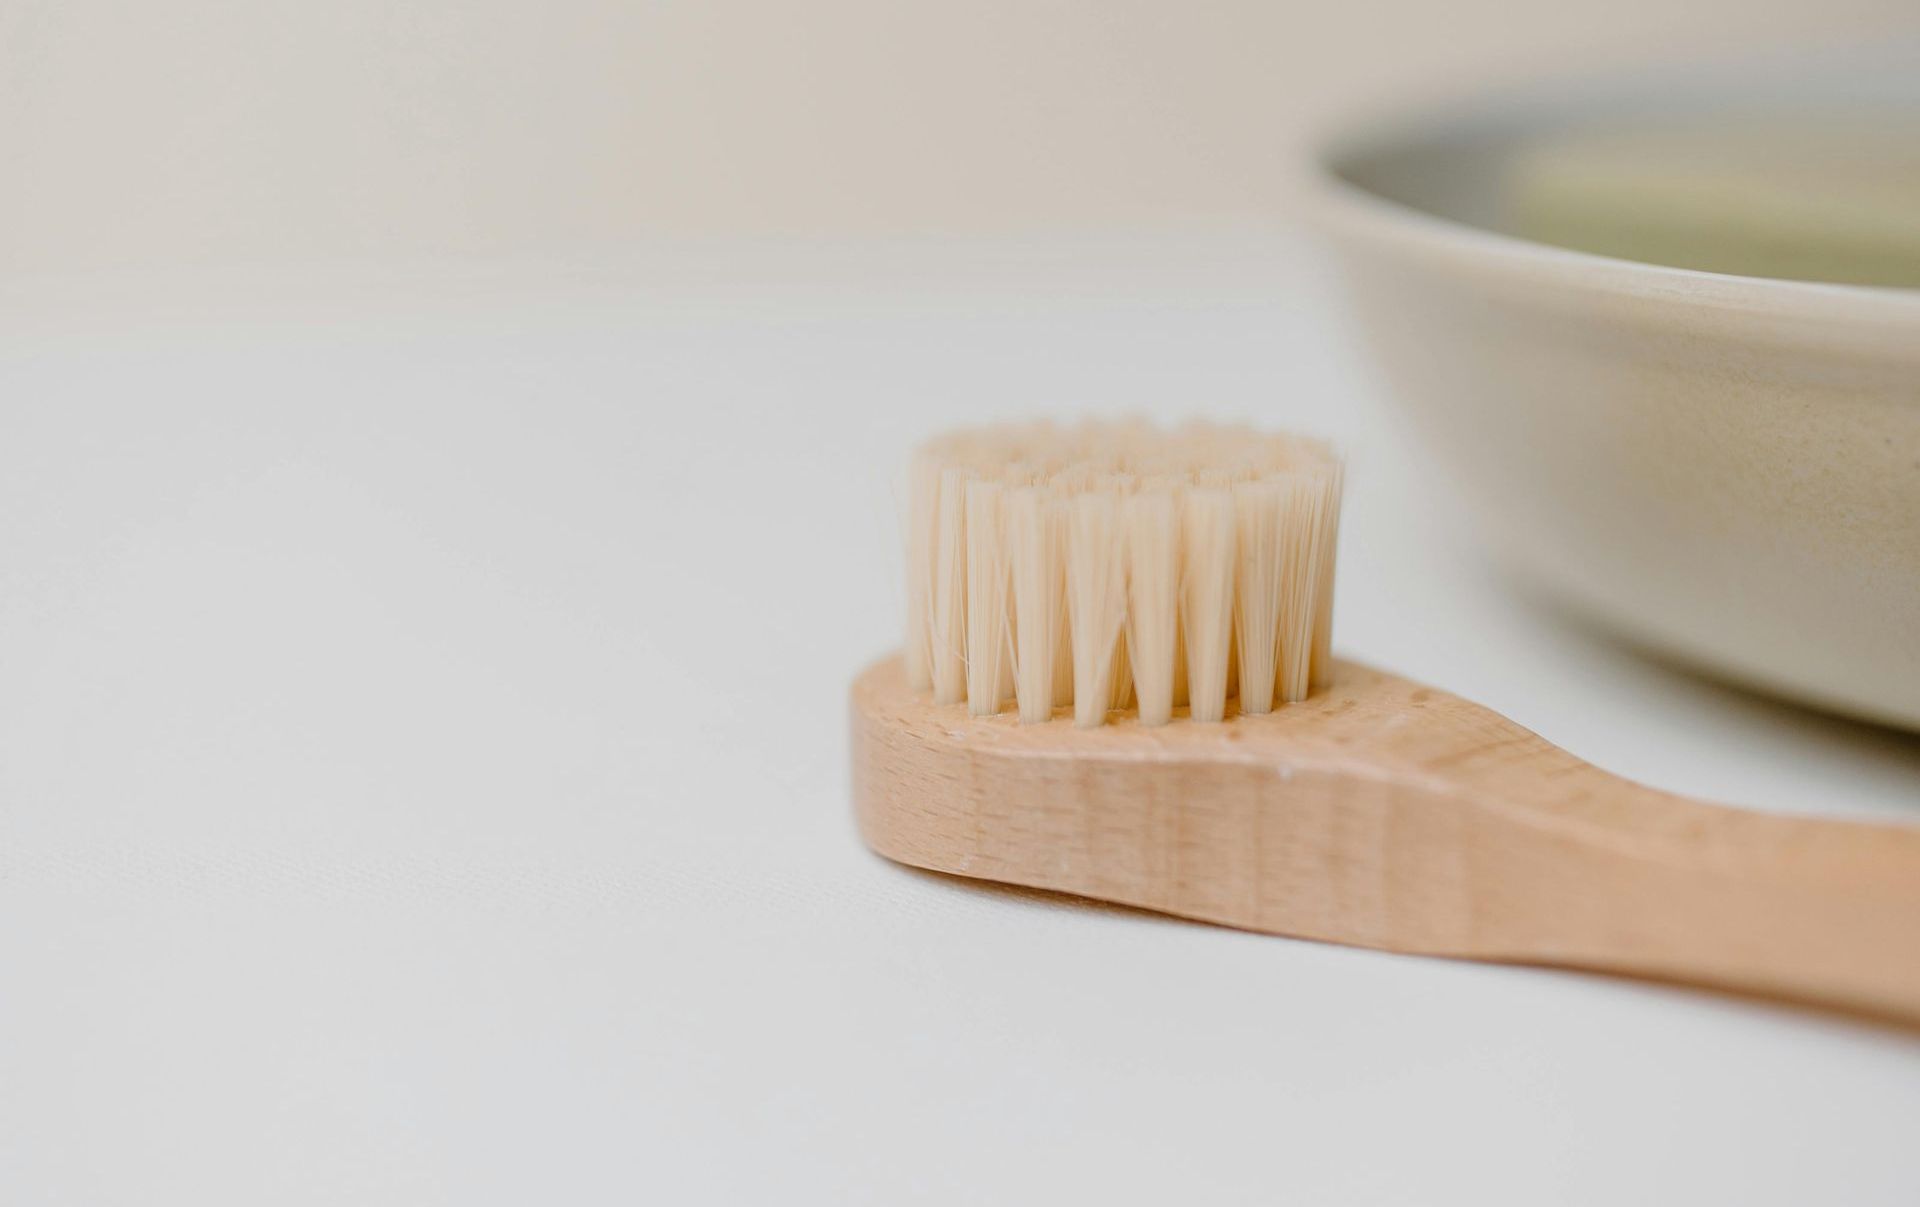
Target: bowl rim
(1341,206)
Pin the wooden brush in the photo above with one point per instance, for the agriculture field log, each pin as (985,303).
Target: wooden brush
(1118,683)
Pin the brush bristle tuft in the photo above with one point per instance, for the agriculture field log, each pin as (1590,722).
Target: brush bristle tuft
(1119,565)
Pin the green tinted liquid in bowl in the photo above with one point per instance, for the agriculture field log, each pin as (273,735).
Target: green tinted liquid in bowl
(1830,200)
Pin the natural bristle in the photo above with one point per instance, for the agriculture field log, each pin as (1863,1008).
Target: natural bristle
(1108,566)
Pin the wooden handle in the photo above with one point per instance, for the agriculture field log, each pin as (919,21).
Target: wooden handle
(1385,814)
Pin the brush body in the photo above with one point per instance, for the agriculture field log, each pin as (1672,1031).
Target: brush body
(1119,683)
(1384,814)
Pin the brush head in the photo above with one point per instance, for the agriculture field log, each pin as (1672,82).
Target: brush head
(1112,566)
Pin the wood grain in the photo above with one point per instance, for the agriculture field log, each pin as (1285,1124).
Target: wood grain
(1385,814)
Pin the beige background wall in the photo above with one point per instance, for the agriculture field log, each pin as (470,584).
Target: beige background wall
(219,131)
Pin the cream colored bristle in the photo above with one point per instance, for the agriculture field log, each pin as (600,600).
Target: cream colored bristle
(1152,522)
(1034,538)
(1063,637)
(1207,564)
(947,641)
(987,635)
(1320,673)
(1302,500)
(1257,588)
(1096,600)
(1120,681)
(1117,566)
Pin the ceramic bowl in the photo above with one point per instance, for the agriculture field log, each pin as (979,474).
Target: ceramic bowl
(1723,468)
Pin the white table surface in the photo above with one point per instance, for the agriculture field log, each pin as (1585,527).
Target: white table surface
(422,772)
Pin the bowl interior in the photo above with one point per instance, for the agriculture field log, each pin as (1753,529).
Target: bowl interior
(1798,171)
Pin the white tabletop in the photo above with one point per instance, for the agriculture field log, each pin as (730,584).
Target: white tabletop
(422,777)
